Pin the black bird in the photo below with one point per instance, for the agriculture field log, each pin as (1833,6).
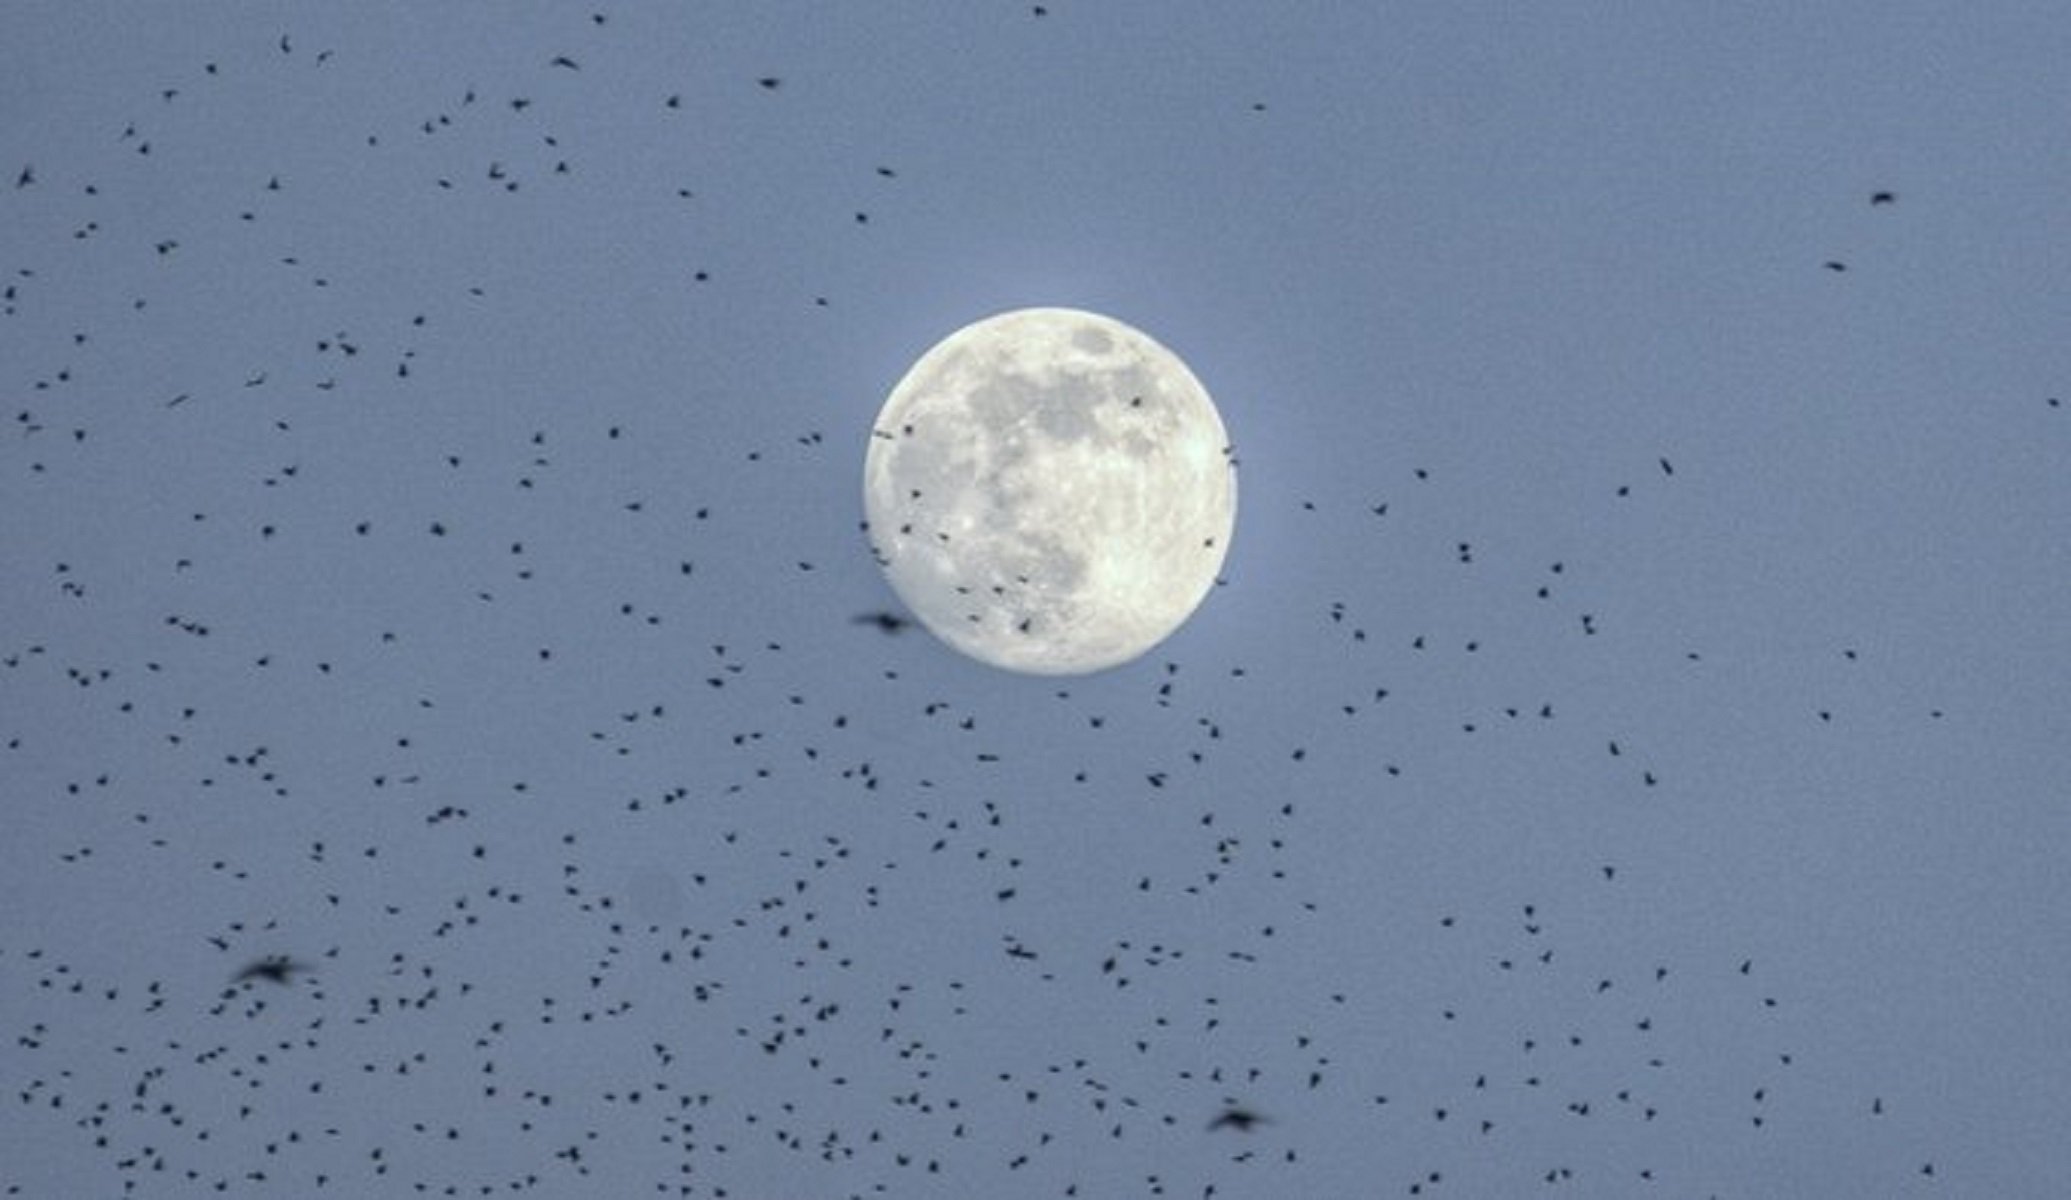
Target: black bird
(27,177)
(1833,265)
(278,969)
(889,622)
(1883,197)
(1239,1119)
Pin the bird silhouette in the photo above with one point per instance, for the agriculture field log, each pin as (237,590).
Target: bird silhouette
(1240,1119)
(277,968)
(889,622)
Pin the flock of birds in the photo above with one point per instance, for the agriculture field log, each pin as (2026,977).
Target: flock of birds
(461,828)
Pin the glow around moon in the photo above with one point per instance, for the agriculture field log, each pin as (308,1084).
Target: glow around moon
(1050,491)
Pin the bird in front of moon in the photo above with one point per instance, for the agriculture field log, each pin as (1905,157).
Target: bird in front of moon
(1050,491)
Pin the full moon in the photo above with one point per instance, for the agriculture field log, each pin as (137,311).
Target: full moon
(1050,491)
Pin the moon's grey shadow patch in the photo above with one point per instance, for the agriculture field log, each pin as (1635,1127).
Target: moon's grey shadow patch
(1057,412)
(1092,341)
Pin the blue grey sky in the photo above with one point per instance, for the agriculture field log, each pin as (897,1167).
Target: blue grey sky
(1627,755)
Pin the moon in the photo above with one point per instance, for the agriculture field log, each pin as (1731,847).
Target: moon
(1050,491)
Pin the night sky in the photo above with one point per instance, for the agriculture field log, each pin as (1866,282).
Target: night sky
(1628,753)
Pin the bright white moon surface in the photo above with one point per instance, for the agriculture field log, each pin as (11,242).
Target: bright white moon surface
(1050,491)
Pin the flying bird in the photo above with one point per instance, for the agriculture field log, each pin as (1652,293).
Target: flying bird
(889,622)
(1883,197)
(1240,1119)
(277,968)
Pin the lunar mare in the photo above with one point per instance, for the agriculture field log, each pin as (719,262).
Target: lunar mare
(1050,491)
